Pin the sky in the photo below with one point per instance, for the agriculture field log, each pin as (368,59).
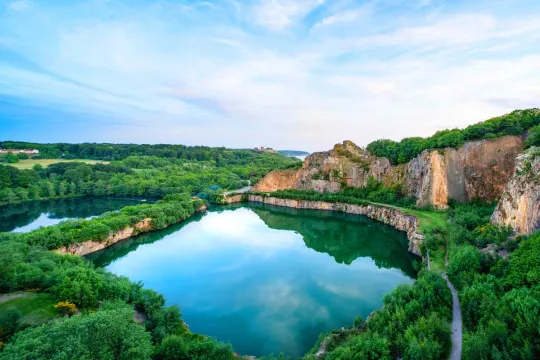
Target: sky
(287,74)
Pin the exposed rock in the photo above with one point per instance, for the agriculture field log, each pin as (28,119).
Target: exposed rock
(479,169)
(345,165)
(519,206)
(384,214)
(88,247)
(278,180)
(231,199)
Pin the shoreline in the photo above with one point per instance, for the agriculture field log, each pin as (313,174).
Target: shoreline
(386,214)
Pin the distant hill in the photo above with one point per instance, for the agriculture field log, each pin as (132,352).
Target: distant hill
(293,152)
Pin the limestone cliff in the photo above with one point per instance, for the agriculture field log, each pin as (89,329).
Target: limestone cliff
(88,247)
(479,169)
(519,206)
(345,165)
(384,214)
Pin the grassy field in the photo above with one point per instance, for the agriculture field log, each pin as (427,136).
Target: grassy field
(428,219)
(35,308)
(27,164)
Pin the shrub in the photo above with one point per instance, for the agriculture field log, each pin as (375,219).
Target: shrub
(66,308)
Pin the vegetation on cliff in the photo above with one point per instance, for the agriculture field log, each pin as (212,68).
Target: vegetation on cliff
(514,123)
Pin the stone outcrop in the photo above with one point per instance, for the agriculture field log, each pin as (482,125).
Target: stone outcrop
(345,165)
(384,214)
(519,206)
(479,169)
(89,247)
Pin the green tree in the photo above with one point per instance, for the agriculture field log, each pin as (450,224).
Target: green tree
(12,158)
(104,335)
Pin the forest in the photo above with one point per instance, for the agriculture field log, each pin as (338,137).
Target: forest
(514,123)
(141,176)
(219,156)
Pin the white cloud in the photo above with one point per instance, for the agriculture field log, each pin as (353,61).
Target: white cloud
(279,14)
(186,72)
(345,16)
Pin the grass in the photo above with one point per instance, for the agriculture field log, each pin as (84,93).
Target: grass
(35,308)
(29,163)
(428,219)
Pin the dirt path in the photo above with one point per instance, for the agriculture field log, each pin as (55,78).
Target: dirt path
(7,297)
(457,333)
(238,191)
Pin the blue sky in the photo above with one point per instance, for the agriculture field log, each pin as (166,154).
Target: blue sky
(294,74)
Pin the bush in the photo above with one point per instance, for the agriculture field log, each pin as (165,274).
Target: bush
(66,308)
(104,335)
(9,322)
(465,261)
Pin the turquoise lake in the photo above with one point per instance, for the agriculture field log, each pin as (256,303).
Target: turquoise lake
(267,279)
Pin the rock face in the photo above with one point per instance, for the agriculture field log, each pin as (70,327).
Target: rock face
(479,169)
(89,247)
(384,214)
(519,206)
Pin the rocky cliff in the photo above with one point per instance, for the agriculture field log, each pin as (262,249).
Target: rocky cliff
(89,247)
(519,206)
(479,169)
(384,214)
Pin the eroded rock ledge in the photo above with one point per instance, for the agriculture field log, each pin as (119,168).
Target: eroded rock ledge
(519,206)
(385,214)
(88,247)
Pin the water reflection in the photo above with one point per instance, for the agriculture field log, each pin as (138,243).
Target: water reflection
(250,275)
(32,215)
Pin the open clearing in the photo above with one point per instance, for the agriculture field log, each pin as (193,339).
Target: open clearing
(35,308)
(27,164)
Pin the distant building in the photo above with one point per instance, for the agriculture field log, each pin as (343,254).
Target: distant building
(19,151)
(264,149)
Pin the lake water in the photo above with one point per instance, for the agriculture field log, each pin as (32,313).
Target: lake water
(267,279)
(31,215)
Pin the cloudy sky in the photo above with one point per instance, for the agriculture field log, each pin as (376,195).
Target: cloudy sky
(291,74)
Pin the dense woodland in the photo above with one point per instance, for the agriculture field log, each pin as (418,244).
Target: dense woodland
(146,176)
(218,156)
(515,123)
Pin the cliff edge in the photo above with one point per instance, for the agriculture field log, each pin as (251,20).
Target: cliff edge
(519,206)
(478,170)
